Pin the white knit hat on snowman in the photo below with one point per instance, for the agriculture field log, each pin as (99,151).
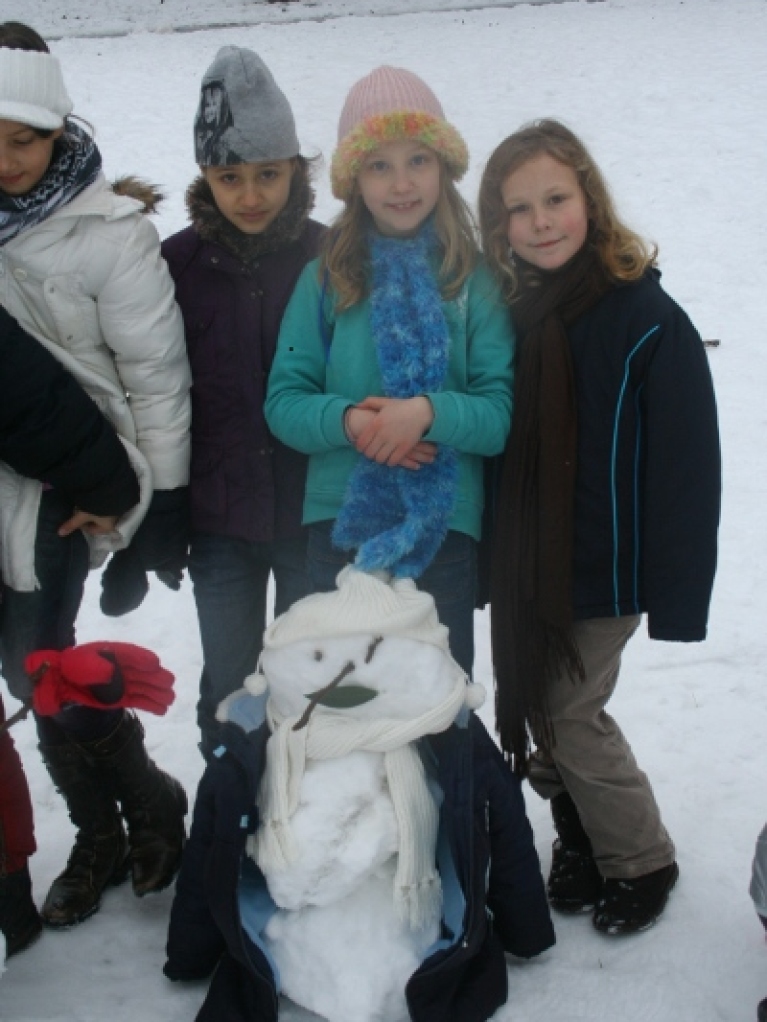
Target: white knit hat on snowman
(362,603)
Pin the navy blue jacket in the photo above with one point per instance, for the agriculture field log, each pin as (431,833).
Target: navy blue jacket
(648,484)
(51,430)
(483,817)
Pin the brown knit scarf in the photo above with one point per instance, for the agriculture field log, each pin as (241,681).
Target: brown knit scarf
(531,575)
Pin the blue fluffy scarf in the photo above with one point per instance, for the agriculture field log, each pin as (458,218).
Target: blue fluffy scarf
(397,518)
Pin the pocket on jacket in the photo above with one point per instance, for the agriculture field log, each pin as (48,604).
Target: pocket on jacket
(73,311)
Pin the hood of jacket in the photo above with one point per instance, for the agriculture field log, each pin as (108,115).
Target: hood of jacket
(212,225)
(111,200)
(149,195)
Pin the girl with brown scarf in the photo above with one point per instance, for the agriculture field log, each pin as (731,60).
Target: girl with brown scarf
(608,508)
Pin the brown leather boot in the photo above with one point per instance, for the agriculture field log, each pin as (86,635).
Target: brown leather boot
(153,805)
(98,858)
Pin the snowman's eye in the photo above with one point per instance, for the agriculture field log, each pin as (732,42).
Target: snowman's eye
(373,647)
(318,654)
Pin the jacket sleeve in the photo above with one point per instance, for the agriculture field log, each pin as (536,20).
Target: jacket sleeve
(298,410)
(473,417)
(142,326)
(52,431)
(682,481)
(476,419)
(516,895)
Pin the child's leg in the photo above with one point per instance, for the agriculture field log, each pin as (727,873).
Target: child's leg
(17,837)
(19,922)
(291,580)
(594,763)
(451,579)
(323,560)
(44,618)
(230,578)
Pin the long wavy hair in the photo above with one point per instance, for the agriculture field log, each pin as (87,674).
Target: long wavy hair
(624,255)
(345,256)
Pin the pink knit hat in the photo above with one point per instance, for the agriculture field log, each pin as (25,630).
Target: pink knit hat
(388,105)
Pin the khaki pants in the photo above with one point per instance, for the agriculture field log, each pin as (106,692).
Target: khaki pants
(594,763)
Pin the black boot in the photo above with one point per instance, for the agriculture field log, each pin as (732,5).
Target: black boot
(19,919)
(761,1011)
(153,805)
(574,881)
(633,904)
(98,858)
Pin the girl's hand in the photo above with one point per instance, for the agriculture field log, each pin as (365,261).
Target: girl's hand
(94,525)
(396,428)
(355,422)
(423,453)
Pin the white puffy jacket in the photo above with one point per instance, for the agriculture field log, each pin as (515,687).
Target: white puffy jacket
(89,282)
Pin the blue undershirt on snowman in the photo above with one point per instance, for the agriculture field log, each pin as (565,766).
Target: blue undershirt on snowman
(384,861)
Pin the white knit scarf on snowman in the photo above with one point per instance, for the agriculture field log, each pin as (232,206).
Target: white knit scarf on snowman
(417,887)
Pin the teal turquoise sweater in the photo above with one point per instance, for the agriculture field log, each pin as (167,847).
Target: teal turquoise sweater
(310,388)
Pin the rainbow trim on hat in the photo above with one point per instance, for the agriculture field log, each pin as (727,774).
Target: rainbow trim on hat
(375,131)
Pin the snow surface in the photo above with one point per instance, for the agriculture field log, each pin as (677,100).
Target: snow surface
(670,95)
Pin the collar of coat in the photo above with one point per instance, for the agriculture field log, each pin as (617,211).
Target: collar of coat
(212,225)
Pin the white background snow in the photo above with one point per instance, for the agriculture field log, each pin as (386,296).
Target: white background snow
(670,95)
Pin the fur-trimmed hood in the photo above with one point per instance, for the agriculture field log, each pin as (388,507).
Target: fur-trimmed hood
(143,191)
(212,225)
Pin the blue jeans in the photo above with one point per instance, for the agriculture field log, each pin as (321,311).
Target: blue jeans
(45,619)
(451,579)
(230,578)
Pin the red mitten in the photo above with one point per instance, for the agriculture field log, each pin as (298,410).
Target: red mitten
(99,674)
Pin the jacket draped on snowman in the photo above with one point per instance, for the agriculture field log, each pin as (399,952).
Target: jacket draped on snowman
(89,283)
(292,842)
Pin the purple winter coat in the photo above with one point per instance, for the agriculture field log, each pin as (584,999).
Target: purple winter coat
(244,483)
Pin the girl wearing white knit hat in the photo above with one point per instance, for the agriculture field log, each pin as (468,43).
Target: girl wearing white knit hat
(80,269)
(393,368)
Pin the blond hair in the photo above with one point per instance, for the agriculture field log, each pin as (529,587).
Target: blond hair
(623,254)
(345,256)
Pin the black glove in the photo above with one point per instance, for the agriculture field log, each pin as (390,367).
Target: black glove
(160,545)
(123,583)
(162,540)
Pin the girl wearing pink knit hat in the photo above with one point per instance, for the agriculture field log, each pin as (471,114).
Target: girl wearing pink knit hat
(393,367)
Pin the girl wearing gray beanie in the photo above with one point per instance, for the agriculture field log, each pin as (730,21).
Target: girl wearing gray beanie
(235,268)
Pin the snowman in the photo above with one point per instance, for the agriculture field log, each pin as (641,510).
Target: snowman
(347,840)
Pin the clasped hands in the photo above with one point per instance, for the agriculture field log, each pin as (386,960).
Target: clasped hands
(389,430)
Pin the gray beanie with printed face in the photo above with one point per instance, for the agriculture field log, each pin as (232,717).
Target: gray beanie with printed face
(243,116)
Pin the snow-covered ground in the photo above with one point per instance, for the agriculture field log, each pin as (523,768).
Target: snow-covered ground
(672,98)
(58,18)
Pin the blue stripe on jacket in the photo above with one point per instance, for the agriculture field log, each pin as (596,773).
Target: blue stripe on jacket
(613,475)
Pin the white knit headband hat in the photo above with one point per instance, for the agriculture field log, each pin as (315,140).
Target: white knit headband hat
(32,89)
(362,604)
